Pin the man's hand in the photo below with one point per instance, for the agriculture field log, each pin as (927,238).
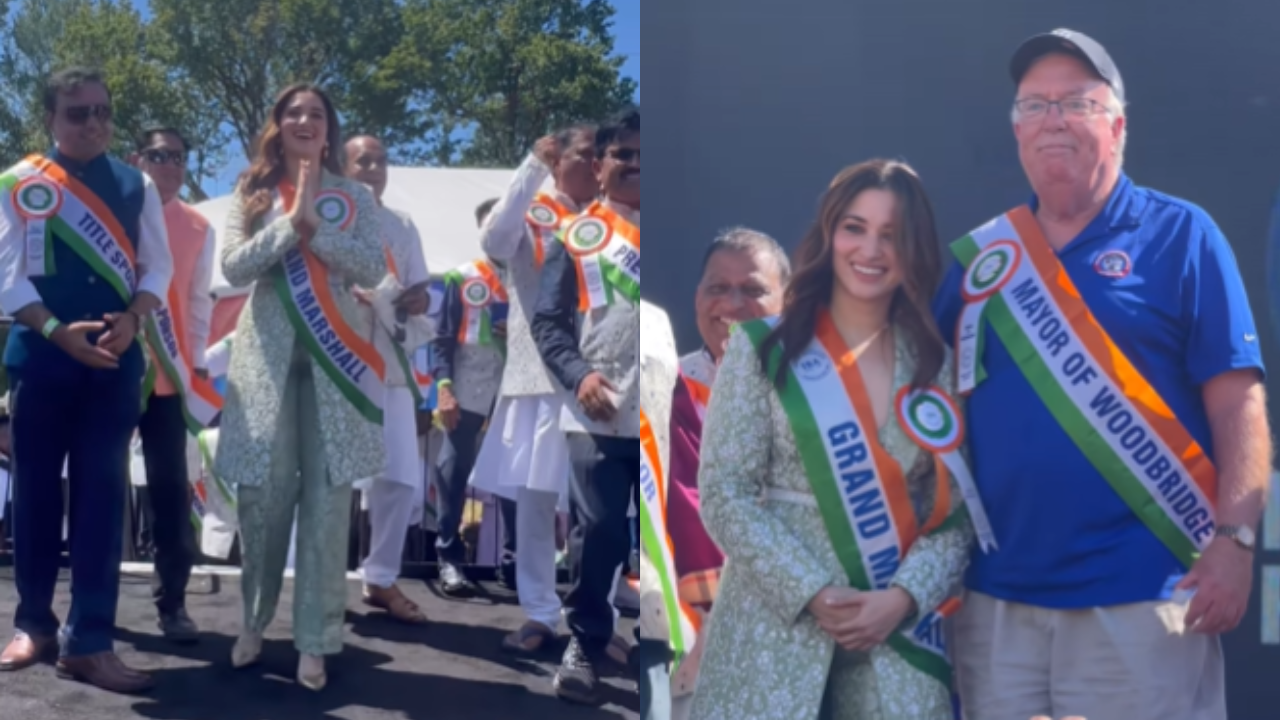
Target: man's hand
(548,150)
(499,329)
(861,621)
(593,396)
(415,300)
(1222,579)
(122,329)
(73,341)
(447,409)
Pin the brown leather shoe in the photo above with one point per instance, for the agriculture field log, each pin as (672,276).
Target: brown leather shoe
(24,651)
(395,603)
(105,670)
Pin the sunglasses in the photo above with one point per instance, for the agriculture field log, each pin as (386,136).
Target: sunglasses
(625,155)
(162,157)
(80,114)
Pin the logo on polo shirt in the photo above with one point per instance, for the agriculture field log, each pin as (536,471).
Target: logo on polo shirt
(1113,264)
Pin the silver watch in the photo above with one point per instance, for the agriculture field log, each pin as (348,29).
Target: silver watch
(1243,535)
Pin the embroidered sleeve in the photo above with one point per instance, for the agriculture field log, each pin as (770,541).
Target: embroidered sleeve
(733,474)
(505,228)
(247,258)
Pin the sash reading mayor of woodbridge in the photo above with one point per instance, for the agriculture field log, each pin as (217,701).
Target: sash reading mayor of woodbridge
(861,490)
(1014,280)
(51,201)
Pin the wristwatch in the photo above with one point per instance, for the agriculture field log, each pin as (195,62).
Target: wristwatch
(1243,535)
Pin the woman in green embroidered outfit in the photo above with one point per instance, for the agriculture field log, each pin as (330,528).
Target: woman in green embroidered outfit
(790,638)
(292,439)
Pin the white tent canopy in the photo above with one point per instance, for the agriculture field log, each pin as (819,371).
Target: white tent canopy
(441,201)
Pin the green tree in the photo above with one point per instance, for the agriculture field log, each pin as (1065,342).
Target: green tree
(508,71)
(240,53)
(111,36)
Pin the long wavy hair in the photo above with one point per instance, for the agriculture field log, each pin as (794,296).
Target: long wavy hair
(264,174)
(915,243)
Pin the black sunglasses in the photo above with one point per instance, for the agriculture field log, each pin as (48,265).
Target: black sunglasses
(160,157)
(624,155)
(80,114)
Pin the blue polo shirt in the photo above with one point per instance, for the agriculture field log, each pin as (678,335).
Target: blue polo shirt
(1161,279)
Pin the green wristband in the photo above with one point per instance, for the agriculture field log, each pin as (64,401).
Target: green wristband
(49,326)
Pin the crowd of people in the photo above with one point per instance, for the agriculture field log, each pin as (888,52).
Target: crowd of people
(1013,477)
(534,373)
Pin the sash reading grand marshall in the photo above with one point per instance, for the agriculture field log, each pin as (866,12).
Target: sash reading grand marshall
(1014,280)
(350,361)
(860,488)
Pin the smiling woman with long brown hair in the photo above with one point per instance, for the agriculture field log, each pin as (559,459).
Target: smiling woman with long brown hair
(822,476)
(302,413)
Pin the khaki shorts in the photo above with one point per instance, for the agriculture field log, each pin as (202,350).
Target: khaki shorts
(1124,662)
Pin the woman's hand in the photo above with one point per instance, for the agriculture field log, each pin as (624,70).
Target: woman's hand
(304,217)
(863,620)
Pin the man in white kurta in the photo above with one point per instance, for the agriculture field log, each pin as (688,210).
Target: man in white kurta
(397,314)
(524,454)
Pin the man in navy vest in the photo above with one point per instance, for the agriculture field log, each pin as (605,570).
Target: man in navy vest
(84,256)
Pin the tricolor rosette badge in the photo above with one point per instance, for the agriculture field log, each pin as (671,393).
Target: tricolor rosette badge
(932,419)
(37,199)
(987,275)
(336,208)
(542,215)
(584,239)
(476,293)
(587,235)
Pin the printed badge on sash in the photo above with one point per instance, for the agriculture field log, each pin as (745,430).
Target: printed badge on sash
(37,199)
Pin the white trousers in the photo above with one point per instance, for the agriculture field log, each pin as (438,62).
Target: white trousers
(391,495)
(524,448)
(536,556)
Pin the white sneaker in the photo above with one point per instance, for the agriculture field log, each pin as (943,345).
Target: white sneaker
(626,597)
(247,650)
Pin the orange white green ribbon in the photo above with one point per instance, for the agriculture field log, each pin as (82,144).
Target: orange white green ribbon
(606,249)
(479,288)
(546,217)
(48,197)
(1102,402)
(350,361)
(656,543)
(933,420)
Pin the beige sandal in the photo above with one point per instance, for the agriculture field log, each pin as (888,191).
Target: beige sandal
(395,603)
(519,641)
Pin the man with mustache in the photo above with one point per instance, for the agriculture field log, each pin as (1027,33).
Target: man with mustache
(84,257)
(1117,422)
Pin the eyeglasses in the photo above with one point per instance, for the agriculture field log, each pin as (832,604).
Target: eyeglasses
(80,114)
(1073,108)
(625,155)
(160,157)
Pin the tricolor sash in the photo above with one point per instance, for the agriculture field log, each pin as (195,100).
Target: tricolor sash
(682,619)
(167,340)
(546,217)
(606,250)
(419,382)
(302,282)
(48,198)
(1113,414)
(934,422)
(479,288)
(860,488)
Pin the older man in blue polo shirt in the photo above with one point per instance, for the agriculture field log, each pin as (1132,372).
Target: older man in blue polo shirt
(1117,422)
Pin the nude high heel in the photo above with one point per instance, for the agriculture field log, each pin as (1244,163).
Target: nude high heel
(311,673)
(247,650)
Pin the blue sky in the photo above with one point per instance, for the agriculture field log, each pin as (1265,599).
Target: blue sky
(627,43)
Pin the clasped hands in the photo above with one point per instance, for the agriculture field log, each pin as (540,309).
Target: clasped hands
(857,620)
(121,330)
